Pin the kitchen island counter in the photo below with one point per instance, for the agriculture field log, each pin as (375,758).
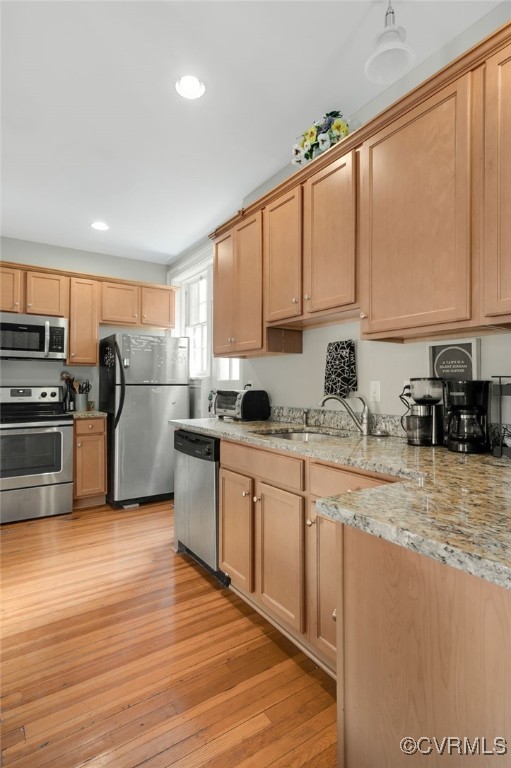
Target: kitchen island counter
(452,507)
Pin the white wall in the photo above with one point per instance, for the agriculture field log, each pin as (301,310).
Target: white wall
(297,380)
(43,255)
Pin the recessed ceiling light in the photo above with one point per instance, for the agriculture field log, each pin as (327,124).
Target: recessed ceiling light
(100,225)
(190,87)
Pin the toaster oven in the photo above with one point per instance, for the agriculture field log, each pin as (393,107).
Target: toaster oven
(242,404)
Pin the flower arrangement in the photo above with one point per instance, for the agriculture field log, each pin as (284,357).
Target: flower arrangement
(321,135)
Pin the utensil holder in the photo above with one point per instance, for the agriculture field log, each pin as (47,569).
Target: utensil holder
(81,402)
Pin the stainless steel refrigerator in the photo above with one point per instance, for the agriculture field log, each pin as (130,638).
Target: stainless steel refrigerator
(143,384)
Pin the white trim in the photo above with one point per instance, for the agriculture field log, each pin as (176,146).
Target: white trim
(190,265)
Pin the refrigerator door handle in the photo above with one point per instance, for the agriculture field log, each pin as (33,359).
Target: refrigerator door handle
(123,385)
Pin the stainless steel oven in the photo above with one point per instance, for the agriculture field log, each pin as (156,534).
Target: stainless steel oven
(36,442)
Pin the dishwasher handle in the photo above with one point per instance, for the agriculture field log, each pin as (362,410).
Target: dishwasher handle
(200,446)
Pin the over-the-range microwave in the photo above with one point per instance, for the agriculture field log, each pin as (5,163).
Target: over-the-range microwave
(33,337)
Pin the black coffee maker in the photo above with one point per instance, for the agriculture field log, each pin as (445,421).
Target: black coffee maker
(467,415)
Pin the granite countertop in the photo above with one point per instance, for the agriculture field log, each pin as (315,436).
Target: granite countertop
(89,415)
(455,508)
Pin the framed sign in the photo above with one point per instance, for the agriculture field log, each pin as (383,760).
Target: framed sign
(455,359)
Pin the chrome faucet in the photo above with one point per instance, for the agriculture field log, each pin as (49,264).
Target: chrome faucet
(304,416)
(361,420)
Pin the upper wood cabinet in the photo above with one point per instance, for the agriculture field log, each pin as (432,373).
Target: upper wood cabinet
(497,230)
(282,225)
(36,293)
(329,246)
(158,307)
(130,304)
(237,289)
(11,290)
(120,303)
(415,216)
(83,322)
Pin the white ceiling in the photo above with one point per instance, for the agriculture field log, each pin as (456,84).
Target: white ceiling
(93,128)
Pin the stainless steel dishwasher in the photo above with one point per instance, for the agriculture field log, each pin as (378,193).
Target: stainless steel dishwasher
(196,497)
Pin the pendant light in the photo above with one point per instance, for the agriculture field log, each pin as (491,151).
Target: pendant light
(392,57)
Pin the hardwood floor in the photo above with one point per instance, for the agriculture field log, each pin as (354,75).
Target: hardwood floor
(117,652)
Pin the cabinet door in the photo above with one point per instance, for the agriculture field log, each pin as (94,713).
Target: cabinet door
(248,285)
(281,554)
(47,294)
(283,256)
(83,322)
(416,216)
(321,583)
(120,303)
(497,272)
(158,307)
(90,475)
(237,529)
(223,294)
(329,236)
(11,286)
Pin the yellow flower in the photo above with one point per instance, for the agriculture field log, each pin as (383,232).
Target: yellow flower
(311,134)
(339,127)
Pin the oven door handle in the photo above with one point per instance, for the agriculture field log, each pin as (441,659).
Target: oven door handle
(46,338)
(33,428)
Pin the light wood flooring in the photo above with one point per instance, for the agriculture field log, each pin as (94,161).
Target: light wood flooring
(117,652)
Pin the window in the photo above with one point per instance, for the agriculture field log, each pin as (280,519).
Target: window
(196,324)
(228,369)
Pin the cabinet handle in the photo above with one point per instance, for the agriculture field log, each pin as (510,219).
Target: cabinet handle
(90,426)
(256,498)
(350,490)
(233,340)
(307,297)
(16,303)
(294,300)
(309,523)
(334,614)
(144,317)
(245,493)
(73,354)
(135,315)
(78,445)
(29,305)
(363,315)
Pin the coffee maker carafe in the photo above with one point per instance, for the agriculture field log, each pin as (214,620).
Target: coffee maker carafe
(424,423)
(467,418)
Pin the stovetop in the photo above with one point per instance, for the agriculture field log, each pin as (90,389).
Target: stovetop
(24,404)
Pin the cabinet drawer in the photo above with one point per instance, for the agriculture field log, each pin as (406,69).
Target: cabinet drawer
(328,481)
(281,470)
(89,426)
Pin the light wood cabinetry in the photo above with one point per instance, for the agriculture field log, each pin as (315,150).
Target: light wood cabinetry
(90,461)
(83,322)
(11,290)
(427,652)
(120,303)
(329,245)
(238,299)
(282,225)
(415,216)
(237,529)
(157,307)
(34,293)
(321,567)
(497,230)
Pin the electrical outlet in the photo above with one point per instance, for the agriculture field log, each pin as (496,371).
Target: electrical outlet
(374,391)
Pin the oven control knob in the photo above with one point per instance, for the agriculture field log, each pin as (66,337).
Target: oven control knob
(44,394)
(53,394)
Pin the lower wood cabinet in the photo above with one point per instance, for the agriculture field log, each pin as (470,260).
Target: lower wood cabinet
(237,529)
(89,461)
(321,554)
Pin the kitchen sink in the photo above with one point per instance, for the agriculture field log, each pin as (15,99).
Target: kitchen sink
(302,436)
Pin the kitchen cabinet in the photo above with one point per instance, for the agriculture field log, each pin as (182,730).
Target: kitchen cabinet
(321,566)
(280,570)
(34,293)
(158,307)
(427,652)
(415,218)
(11,290)
(90,461)
(120,303)
(83,322)
(132,304)
(497,200)
(329,243)
(282,226)
(236,535)
(237,288)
